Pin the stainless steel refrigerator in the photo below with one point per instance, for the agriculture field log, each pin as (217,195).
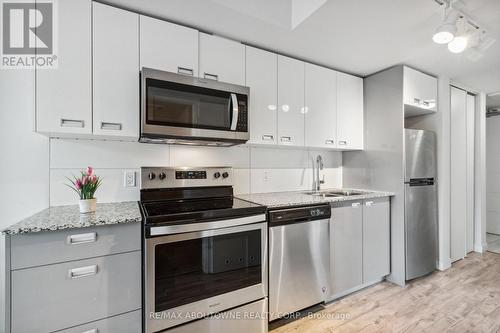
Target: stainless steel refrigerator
(421,222)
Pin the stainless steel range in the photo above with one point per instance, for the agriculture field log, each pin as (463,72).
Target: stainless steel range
(205,253)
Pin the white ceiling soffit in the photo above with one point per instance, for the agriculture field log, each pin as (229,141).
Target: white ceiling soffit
(287,14)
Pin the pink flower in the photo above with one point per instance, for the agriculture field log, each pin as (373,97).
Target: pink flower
(78,184)
(94,179)
(85,180)
(89,171)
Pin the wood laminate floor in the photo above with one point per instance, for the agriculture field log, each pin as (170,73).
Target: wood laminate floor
(465,298)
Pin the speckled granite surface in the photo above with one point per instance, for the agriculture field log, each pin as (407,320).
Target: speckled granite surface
(284,199)
(67,217)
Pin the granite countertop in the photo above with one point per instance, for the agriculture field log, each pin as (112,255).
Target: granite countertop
(286,199)
(67,217)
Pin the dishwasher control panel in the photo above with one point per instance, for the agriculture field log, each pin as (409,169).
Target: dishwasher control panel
(299,214)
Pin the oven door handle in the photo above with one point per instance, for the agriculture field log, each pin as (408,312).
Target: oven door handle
(183,228)
(234,102)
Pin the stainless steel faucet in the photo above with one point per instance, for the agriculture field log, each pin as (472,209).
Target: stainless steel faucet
(319,166)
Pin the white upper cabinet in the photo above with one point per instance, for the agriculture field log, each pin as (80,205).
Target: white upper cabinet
(262,78)
(419,92)
(63,97)
(349,111)
(222,59)
(290,101)
(168,47)
(320,107)
(115,71)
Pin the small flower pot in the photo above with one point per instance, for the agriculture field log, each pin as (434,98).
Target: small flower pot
(87,205)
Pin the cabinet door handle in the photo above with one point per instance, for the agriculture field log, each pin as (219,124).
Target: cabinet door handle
(72,123)
(82,238)
(342,142)
(329,142)
(94,330)
(286,139)
(417,101)
(111,126)
(355,204)
(211,76)
(80,272)
(369,203)
(268,137)
(185,71)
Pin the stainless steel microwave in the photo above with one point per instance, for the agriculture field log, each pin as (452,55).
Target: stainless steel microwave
(177,108)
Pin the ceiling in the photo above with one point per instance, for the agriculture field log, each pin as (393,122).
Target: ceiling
(355,36)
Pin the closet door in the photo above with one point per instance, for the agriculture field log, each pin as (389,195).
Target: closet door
(462,173)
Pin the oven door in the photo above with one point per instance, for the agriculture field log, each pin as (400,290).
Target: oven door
(191,275)
(185,107)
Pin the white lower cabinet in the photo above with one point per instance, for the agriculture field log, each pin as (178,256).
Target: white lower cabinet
(63,94)
(359,244)
(115,72)
(261,77)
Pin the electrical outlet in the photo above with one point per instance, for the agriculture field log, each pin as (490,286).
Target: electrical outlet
(129,178)
(267,175)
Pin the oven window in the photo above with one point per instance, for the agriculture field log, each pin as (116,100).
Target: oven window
(174,104)
(192,270)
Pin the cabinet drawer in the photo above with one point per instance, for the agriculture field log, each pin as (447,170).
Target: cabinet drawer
(43,248)
(54,297)
(130,322)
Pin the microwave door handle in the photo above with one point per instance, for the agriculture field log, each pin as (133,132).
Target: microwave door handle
(234,122)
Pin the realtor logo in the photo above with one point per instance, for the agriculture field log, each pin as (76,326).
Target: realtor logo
(28,32)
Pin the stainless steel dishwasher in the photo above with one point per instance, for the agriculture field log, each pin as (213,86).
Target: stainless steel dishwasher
(299,261)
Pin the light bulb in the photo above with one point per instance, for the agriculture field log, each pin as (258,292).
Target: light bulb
(444,34)
(458,44)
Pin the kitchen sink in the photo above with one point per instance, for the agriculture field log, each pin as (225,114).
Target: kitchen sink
(336,193)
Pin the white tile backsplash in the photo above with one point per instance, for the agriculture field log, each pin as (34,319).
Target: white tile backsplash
(256,169)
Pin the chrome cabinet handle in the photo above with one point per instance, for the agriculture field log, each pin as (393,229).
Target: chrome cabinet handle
(355,204)
(72,123)
(369,203)
(329,142)
(268,137)
(80,272)
(82,238)
(342,142)
(286,139)
(94,330)
(185,71)
(211,76)
(234,121)
(417,100)
(111,126)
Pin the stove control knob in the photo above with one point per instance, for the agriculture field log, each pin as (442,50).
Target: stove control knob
(225,175)
(162,175)
(217,175)
(151,176)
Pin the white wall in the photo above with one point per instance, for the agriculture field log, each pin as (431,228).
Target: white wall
(493,174)
(257,169)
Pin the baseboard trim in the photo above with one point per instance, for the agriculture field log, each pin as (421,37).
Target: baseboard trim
(481,248)
(444,264)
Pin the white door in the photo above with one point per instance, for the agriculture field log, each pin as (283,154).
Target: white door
(115,71)
(350,117)
(493,174)
(222,59)
(471,112)
(459,190)
(168,47)
(64,94)
(262,78)
(290,101)
(320,107)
